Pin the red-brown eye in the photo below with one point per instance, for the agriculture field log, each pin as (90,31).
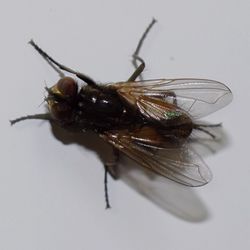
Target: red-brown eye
(67,87)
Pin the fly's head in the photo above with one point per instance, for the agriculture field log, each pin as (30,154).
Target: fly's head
(61,99)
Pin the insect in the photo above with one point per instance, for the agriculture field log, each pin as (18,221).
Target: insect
(148,120)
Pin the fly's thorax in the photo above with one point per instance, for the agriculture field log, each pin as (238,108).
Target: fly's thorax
(102,102)
(102,109)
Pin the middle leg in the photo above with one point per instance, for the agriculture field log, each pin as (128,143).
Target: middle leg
(136,58)
(111,168)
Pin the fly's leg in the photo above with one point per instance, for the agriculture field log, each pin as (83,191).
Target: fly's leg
(138,71)
(202,127)
(111,168)
(136,58)
(45,116)
(53,62)
(106,187)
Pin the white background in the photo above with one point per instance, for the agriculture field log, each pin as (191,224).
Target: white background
(51,194)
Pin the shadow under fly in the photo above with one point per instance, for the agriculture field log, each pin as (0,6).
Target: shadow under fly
(150,121)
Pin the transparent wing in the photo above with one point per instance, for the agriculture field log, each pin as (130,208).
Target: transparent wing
(162,155)
(198,97)
(160,110)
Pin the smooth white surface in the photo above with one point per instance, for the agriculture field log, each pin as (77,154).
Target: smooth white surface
(51,195)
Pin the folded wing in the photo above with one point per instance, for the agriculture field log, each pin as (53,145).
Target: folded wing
(197,97)
(165,156)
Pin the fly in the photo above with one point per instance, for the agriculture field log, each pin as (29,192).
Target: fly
(148,120)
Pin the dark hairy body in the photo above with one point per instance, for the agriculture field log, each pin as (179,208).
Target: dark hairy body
(103,109)
(148,120)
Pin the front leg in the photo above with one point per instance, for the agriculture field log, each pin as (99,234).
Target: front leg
(54,63)
(45,116)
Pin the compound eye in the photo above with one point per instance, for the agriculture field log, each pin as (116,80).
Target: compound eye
(67,87)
